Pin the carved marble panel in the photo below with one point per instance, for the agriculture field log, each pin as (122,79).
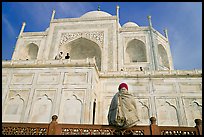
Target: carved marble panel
(42,103)
(143,109)
(133,88)
(48,78)
(22,78)
(190,87)
(72,106)
(193,109)
(75,78)
(167,114)
(96,36)
(138,87)
(15,105)
(164,88)
(110,87)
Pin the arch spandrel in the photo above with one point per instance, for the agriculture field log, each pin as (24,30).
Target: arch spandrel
(96,36)
(140,38)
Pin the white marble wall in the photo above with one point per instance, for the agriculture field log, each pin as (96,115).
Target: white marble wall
(172,100)
(34,94)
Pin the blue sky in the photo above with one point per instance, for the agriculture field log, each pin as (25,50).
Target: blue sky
(182,19)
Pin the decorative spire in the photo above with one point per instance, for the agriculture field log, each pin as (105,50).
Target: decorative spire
(150,22)
(117,11)
(22,28)
(166,33)
(99,8)
(53,15)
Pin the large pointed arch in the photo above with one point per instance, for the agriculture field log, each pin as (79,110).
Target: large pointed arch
(163,58)
(83,48)
(135,51)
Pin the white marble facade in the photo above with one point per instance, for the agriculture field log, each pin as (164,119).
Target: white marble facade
(103,54)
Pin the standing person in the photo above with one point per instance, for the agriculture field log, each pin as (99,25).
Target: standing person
(123,110)
(67,57)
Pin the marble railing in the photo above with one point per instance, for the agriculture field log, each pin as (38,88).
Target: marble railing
(50,63)
(91,62)
(54,128)
(153,74)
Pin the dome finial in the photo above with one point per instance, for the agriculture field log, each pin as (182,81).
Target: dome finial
(150,21)
(99,8)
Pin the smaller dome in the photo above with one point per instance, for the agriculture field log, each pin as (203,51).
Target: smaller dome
(93,14)
(130,24)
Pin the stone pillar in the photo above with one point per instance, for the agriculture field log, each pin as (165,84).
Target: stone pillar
(117,35)
(53,128)
(154,127)
(199,126)
(152,46)
(48,38)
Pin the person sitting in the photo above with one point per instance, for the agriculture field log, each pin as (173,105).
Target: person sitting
(59,56)
(141,69)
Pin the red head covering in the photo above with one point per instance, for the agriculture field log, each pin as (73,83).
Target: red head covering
(123,85)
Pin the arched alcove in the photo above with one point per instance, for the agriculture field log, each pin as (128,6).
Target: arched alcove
(144,113)
(14,109)
(32,51)
(163,58)
(82,48)
(167,114)
(193,110)
(72,110)
(28,52)
(135,51)
(41,110)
